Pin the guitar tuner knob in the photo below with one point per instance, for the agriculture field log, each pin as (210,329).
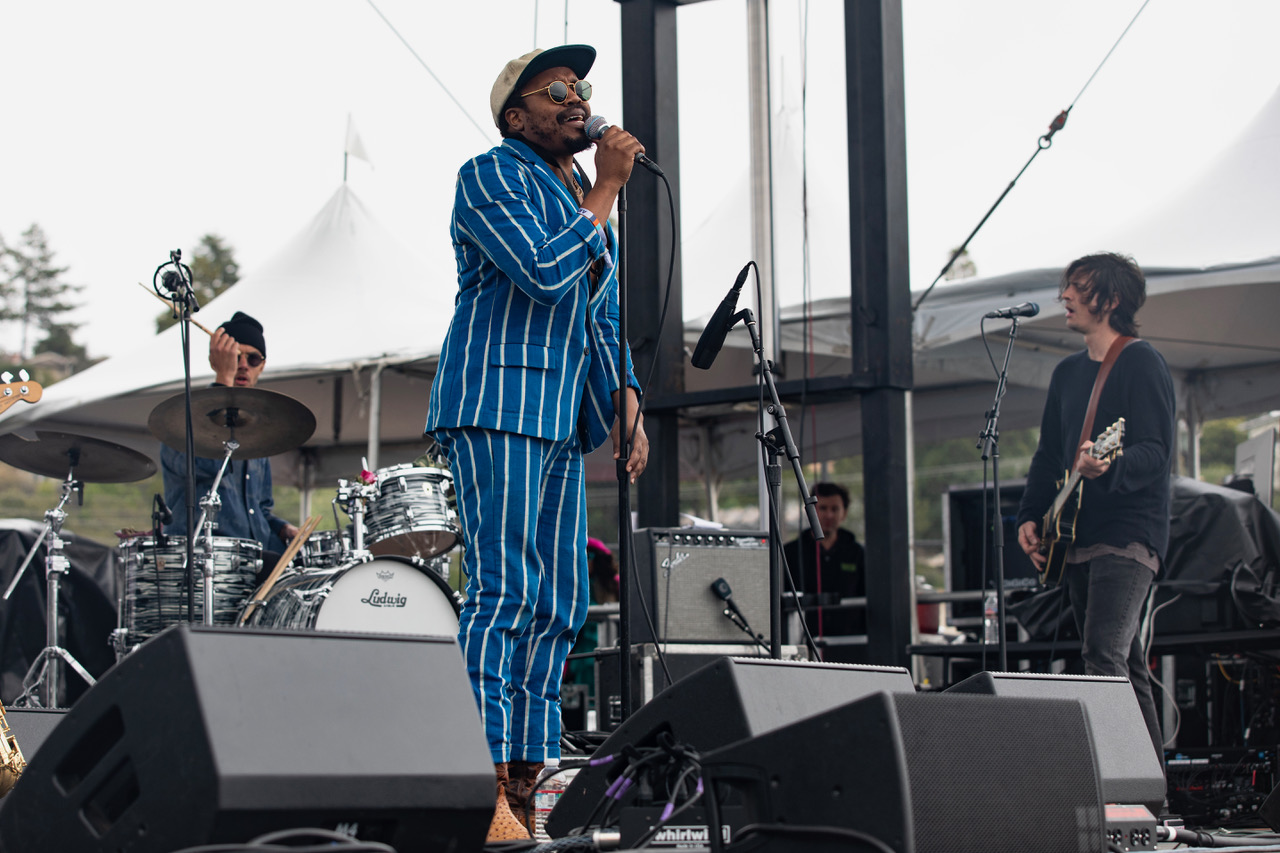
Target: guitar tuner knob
(23,375)
(6,377)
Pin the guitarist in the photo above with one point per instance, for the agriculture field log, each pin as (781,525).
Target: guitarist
(1122,528)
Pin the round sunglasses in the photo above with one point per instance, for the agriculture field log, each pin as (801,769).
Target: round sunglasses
(558,91)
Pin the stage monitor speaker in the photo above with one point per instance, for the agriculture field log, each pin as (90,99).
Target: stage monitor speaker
(676,569)
(925,773)
(1127,762)
(725,701)
(210,736)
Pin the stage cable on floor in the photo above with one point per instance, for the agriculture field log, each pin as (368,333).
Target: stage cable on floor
(1046,140)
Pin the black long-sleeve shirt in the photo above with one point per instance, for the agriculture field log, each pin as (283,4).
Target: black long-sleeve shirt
(1129,503)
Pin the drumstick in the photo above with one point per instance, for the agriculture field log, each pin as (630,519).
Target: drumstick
(169,302)
(294,546)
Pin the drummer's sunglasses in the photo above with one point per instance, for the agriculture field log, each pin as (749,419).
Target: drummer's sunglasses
(252,358)
(558,91)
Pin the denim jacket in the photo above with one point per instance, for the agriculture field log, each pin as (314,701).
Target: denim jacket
(245,492)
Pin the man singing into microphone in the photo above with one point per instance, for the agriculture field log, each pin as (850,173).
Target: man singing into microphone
(528,382)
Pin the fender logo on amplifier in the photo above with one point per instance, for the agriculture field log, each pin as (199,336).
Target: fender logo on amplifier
(675,560)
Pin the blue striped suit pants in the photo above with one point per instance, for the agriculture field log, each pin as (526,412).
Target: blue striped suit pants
(522,508)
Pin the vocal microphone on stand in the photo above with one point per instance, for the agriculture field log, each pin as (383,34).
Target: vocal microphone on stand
(1023,309)
(598,124)
(161,515)
(712,340)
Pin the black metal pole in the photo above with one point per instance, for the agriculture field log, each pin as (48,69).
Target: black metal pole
(990,444)
(624,486)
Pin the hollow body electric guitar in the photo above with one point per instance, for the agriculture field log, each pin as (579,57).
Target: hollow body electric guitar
(1058,528)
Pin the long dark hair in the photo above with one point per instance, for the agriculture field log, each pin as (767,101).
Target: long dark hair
(1105,277)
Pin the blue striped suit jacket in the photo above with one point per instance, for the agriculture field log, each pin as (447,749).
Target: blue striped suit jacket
(529,343)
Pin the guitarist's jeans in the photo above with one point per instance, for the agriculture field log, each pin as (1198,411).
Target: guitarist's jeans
(1107,595)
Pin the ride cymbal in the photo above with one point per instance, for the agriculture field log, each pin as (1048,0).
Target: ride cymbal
(263,422)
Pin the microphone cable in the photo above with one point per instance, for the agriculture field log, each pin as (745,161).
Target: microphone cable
(1044,142)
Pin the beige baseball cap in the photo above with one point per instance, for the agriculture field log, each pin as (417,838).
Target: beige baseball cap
(576,57)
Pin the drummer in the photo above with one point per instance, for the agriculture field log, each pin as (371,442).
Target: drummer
(237,354)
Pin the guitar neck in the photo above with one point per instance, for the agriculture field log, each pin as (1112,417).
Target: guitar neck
(1064,494)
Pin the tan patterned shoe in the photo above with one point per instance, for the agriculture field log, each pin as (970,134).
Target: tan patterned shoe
(505,826)
(521,788)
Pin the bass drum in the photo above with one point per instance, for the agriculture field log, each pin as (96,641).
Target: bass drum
(385,595)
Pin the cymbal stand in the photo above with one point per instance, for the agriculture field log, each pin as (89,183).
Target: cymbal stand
(210,504)
(44,669)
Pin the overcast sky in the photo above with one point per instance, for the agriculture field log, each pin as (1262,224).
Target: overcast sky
(132,128)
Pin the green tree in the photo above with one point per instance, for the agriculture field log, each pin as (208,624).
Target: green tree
(213,270)
(35,293)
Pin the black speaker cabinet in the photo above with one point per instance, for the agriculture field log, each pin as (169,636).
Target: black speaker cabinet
(1127,762)
(725,701)
(677,567)
(925,773)
(208,735)
(31,727)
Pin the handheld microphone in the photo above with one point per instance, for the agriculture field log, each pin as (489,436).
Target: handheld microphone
(712,340)
(598,124)
(1025,309)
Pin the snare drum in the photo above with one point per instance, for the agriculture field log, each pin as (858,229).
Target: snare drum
(386,595)
(410,515)
(155,583)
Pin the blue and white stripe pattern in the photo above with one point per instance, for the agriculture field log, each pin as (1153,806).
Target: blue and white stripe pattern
(532,343)
(523,515)
(528,332)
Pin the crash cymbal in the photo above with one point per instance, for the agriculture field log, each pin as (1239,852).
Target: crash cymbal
(263,422)
(55,454)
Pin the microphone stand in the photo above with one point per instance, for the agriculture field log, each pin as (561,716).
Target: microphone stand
(626,700)
(774,443)
(184,299)
(989,441)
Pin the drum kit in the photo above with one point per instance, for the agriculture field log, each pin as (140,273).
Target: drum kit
(386,573)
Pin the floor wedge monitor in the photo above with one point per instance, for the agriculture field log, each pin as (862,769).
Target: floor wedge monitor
(922,773)
(216,735)
(725,701)
(1127,763)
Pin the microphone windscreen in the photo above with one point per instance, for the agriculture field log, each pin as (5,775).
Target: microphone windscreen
(596,126)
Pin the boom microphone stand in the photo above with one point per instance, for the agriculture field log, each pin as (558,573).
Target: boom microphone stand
(989,441)
(775,442)
(177,282)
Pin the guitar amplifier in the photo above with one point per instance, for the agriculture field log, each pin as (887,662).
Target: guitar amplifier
(676,567)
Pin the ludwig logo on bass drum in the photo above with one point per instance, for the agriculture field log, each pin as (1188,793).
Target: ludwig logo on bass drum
(378,598)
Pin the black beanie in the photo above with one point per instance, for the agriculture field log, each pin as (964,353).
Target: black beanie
(246,330)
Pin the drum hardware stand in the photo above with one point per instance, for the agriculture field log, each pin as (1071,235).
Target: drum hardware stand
(210,505)
(354,499)
(44,669)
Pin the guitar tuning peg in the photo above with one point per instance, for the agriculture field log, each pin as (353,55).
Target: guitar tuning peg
(23,375)
(7,377)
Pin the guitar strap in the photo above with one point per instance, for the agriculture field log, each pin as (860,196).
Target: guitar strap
(1113,352)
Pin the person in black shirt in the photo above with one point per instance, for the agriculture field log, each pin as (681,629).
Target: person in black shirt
(1122,529)
(842,561)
